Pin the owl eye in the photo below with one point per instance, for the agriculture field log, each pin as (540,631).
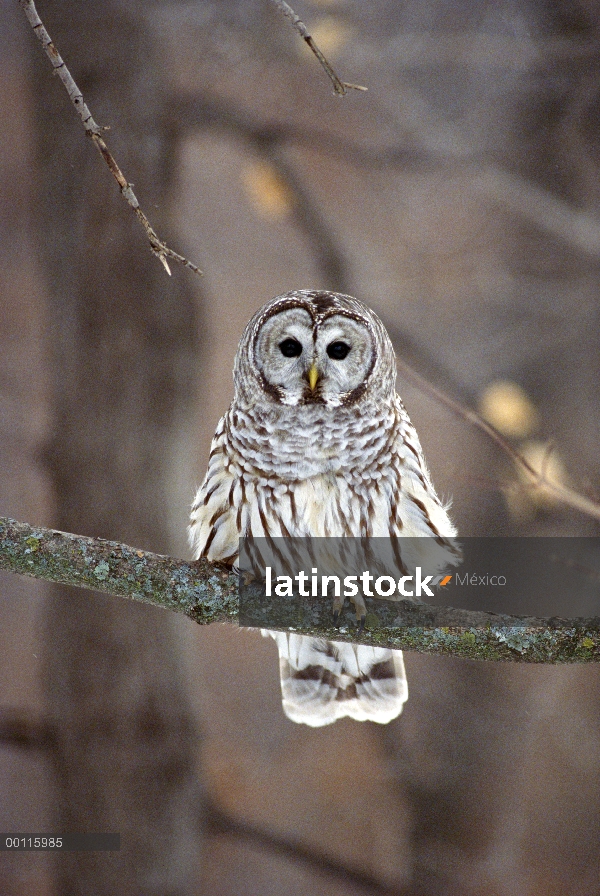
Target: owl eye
(338,350)
(290,348)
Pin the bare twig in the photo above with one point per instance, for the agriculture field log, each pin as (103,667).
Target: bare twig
(94,131)
(208,593)
(538,478)
(219,823)
(340,88)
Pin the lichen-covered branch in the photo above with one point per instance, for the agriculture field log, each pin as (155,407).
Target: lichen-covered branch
(94,131)
(206,592)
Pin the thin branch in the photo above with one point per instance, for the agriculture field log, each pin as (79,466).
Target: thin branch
(340,88)
(538,478)
(206,592)
(220,823)
(94,131)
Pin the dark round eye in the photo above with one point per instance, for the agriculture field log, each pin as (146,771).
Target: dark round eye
(290,348)
(338,350)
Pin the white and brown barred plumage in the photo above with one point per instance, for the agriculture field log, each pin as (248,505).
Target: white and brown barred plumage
(317,443)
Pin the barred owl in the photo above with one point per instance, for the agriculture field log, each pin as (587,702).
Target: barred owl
(317,443)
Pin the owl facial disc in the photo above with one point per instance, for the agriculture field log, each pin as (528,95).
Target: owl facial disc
(303,356)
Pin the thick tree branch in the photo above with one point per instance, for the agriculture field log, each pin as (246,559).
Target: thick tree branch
(206,592)
(94,131)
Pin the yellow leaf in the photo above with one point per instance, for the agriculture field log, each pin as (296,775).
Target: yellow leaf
(266,190)
(549,464)
(330,35)
(509,409)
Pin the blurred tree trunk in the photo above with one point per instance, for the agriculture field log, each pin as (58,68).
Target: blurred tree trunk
(124,344)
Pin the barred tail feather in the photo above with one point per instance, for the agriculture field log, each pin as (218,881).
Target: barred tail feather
(322,681)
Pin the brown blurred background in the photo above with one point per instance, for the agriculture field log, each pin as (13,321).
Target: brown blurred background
(460,198)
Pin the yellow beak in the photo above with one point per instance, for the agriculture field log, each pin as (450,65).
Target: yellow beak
(313,376)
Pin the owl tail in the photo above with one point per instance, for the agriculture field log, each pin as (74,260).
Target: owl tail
(322,681)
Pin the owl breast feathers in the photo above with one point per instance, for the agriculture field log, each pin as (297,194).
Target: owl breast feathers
(317,443)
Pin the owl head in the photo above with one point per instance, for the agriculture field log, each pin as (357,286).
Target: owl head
(308,347)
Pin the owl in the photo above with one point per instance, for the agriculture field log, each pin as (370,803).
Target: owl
(317,443)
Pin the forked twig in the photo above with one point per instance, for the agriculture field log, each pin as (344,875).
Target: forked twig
(94,131)
(340,88)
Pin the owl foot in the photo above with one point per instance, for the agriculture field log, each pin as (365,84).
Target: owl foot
(360,607)
(338,603)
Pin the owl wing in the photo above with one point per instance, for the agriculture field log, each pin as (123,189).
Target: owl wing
(418,507)
(322,681)
(215,523)
(428,536)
